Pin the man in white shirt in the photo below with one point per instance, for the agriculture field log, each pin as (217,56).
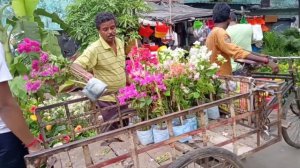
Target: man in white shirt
(15,138)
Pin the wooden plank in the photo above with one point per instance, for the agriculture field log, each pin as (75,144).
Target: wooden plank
(158,154)
(216,138)
(100,153)
(87,155)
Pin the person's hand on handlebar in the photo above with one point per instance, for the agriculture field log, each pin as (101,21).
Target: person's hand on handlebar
(272,63)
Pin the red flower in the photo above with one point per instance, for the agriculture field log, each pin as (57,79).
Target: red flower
(66,139)
(32,109)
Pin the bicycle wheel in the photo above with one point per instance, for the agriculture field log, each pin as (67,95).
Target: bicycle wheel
(291,133)
(208,157)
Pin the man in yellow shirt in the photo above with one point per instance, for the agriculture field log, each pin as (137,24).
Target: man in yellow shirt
(105,60)
(219,42)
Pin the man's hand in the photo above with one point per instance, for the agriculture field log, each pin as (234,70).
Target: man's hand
(35,148)
(273,64)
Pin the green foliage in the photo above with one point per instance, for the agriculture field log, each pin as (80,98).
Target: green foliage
(24,8)
(282,44)
(81,17)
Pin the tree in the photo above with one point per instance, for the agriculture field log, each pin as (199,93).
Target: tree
(81,17)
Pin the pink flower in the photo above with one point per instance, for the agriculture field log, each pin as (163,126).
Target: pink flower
(44,57)
(25,77)
(33,86)
(35,65)
(34,74)
(28,45)
(55,69)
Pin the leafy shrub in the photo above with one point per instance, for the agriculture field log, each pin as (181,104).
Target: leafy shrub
(81,17)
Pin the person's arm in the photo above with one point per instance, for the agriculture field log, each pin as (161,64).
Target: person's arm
(12,116)
(225,45)
(84,63)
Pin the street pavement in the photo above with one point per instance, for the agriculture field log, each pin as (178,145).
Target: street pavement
(279,155)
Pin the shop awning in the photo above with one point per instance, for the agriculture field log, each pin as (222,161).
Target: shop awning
(179,12)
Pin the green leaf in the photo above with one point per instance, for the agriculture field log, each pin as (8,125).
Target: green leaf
(31,30)
(54,17)
(196,95)
(24,8)
(21,68)
(168,93)
(148,102)
(17,86)
(142,104)
(50,43)
(67,85)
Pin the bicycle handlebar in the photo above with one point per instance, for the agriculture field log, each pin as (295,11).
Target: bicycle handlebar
(286,58)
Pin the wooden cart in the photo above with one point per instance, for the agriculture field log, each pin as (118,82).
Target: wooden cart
(221,142)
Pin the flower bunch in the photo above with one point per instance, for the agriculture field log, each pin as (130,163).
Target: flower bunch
(146,83)
(27,46)
(41,69)
(188,77)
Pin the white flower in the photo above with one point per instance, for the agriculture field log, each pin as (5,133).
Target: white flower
(185,89)
(197,43)
(57,144)
(215,76)
(214,66)
(197,75)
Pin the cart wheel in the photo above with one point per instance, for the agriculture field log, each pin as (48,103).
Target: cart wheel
(208,157)
(294,108)
(291,134)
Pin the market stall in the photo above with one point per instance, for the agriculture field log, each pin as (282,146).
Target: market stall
(174,24)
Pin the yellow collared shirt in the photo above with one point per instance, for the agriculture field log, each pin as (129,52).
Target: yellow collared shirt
(107,66)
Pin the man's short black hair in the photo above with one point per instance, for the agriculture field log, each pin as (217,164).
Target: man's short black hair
(221,12)
(233,17)
(104,17)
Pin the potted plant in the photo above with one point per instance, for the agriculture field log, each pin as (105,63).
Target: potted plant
(188,80)
(145,89)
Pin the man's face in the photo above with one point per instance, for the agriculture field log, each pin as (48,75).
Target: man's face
(108,31)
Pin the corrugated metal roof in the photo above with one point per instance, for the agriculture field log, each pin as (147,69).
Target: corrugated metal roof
(179,12)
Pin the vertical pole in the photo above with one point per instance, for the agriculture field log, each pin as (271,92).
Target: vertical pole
(298,13)
(133,148)
(279,114)
(234,129)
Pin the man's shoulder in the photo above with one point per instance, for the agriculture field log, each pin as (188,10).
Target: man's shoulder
(119,41)
(95,44)
(218,31)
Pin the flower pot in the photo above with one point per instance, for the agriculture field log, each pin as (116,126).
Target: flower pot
(160,135)
(213,113)
(181,129)
(145,137)
(192,122)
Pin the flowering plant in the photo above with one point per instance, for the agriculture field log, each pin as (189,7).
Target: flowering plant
(42,73)
(175,80)
(146,84)
(188,77)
